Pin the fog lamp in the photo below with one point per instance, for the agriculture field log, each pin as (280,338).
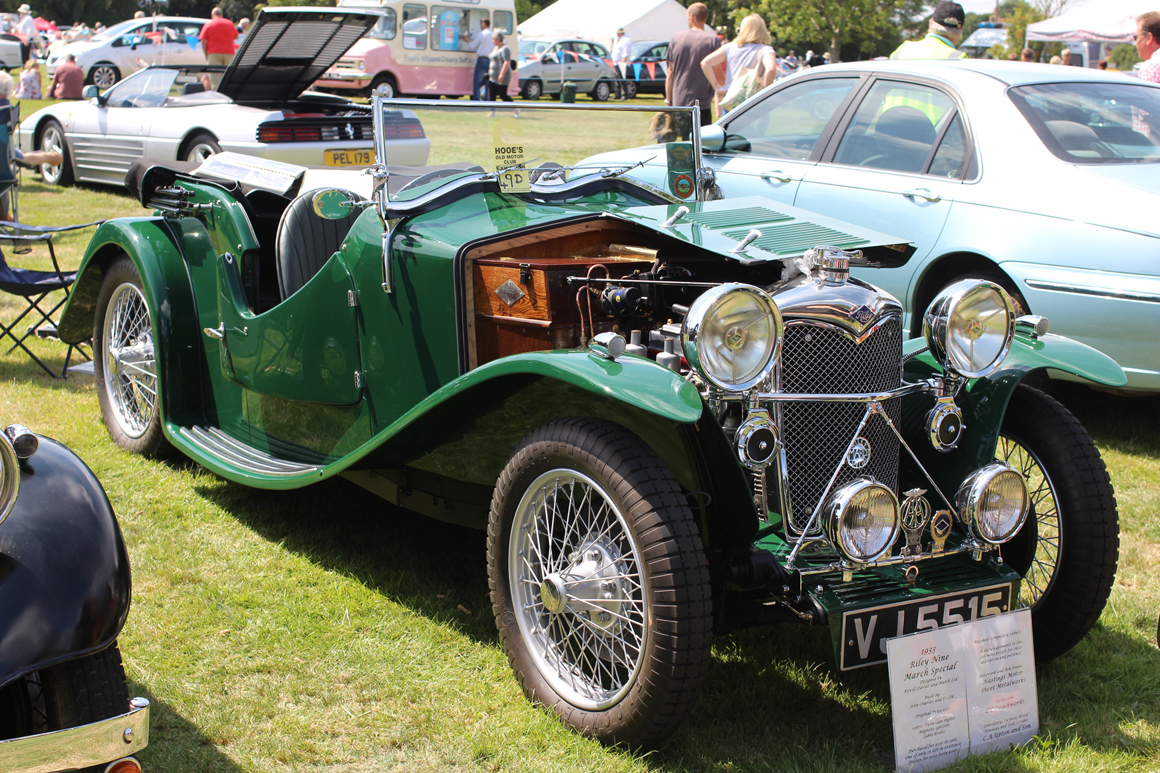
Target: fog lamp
(861,520)
(969,327)
(994,502)
(731,335)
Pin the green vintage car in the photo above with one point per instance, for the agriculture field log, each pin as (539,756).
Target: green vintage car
(675,416)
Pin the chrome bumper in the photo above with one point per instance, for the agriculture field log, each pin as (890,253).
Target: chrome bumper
(79,747)
(331,75)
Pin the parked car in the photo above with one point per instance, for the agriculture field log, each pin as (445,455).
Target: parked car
(1029,176)
(259,108)
(649,55)
(64,597)
(10,52)
(583,62)
(120,50)
(766,447)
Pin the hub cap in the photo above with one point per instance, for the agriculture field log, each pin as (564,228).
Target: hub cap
(576,582)
(130,371)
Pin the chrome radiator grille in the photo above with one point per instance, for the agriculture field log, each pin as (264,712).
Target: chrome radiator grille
(821,360)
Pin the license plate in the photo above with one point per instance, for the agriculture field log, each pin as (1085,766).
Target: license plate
(865,631)
(350,157)
(330,76)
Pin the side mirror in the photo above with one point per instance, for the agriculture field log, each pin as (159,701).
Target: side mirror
(712,138)
(335,204)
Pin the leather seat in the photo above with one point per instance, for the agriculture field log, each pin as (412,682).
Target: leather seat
(305,241)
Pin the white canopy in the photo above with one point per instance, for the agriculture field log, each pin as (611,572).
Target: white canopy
(1104,21)
(599,19)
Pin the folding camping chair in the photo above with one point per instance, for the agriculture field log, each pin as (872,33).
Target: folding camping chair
(9,182)
(31,285)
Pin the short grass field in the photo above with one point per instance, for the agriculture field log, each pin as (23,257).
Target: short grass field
(324,630)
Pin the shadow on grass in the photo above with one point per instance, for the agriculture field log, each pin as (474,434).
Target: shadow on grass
(1124,423)
(176,743)
(428,566)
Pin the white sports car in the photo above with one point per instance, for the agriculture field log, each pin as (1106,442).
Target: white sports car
(258,108)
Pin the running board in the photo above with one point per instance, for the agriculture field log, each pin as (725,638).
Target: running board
(213,442)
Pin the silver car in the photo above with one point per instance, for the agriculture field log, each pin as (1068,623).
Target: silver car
(119,51)
(1040,178)
(549,63)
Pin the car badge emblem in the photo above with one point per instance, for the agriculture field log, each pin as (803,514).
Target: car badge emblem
(915,513)
(350,131)
(510,293)
(859,454)
(862,315)
(940,529)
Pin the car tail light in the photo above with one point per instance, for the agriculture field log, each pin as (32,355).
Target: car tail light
(286,131)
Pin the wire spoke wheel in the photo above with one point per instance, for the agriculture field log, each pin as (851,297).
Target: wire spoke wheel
(1068,549)
(580,600)
(1045,511)
(124,361)
(130,370)
(599,582)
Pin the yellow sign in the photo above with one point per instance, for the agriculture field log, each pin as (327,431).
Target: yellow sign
(508,139)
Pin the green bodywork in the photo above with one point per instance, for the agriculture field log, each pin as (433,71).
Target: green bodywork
(344,378)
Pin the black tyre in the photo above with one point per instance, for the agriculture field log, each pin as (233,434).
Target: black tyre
(1068,549)
(103,75)
(599,582)
(533,89)
(630,89)
(387,84)
(51,138)
(602,91)
(199,147)
(65,695)
(124,364)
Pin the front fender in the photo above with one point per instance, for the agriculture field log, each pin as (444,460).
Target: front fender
(984,401)
(154,249)
(64,571)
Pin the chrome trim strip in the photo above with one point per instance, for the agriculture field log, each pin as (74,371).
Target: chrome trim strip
(838,566)
(232,451)
(865,397)
(80,747)
(844,331)
(1120,295)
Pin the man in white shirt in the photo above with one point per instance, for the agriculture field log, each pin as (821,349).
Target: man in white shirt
(26,30)
(621,59)
(482,45)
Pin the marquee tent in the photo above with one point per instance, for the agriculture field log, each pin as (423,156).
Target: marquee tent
(599,19)
(1105,21)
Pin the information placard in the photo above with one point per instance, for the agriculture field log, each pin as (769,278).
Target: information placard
(967,689)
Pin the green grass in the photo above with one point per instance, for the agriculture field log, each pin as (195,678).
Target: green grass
(323,630)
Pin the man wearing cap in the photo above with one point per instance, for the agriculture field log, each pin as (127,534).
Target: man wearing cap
(621,59)
(944,31)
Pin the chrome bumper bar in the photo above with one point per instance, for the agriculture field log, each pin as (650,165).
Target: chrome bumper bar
(79,747)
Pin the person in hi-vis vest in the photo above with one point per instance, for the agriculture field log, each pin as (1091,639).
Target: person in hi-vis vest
(944,32)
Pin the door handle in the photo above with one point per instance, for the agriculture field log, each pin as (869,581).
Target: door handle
(218,333)
(777,175)
(922,193)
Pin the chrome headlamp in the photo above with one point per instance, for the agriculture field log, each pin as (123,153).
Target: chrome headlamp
(969,327)
(731,336)
(994,502)
(861,520)
(9,476)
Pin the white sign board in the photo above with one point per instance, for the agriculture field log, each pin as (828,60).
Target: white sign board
(967,689)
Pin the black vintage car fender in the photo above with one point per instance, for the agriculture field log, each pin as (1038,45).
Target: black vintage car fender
(64,572)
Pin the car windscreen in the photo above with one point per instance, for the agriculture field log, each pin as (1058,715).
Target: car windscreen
(147,88)
(1094,123)
(116,31)
(541,143)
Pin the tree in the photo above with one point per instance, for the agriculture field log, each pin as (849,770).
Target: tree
(1124,57)
(832,22)
(65,12)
